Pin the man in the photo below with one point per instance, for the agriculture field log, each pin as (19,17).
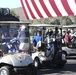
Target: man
(23,38)
(37,38)
(22,34)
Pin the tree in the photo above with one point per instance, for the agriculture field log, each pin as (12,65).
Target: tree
(12,12)
(56,21)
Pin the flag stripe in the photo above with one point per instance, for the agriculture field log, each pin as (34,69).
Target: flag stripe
(55,8)
(37,9)
(45,8)
(72,5)
(24,10)
(27,10)
(30,10)
(49,7)
(33,9)
(75,1)
(60,7)
(66,6)
(40,8)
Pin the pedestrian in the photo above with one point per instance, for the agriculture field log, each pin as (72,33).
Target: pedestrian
(12,42)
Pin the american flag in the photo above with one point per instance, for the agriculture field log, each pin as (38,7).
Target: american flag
(37,9)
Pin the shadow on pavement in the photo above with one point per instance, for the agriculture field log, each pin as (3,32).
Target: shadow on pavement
(69,68)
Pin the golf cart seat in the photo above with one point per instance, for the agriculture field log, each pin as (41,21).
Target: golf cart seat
(39,47)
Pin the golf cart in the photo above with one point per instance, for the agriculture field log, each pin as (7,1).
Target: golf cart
(70,50)
(17,62)
(50,49)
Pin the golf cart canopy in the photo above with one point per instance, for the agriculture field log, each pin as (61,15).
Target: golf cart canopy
(44,25)
(13,22)
(69,26)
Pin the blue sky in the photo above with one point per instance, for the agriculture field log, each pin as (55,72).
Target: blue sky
(10,3)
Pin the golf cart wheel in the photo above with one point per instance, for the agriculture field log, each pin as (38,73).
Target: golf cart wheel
(5,70)
(63,52)
(37,63)
(32,70)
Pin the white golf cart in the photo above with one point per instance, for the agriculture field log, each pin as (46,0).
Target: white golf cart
(51,48)
(18,62)
(70,51)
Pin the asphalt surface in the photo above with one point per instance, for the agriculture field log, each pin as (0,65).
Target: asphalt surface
(69,69)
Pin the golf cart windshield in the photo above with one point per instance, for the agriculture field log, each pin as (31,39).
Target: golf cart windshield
(49,34)
(9,36)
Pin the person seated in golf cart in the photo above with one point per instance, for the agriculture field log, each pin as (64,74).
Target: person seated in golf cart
(12,42)
(12,48)
(67,39)
(49,33)
(36,41)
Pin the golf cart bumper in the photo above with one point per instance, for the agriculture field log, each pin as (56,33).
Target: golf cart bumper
(54,62)
(46,62)
(21,70)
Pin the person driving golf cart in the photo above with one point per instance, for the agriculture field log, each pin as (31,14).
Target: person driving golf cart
(11,48)
(36,41)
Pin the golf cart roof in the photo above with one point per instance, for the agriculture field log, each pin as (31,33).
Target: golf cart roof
(44,25)
(69,26)
(13,22)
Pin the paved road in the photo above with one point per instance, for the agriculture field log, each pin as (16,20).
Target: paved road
(69,69)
